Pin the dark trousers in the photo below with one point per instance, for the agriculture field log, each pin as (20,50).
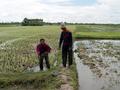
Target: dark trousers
(41,58)
(67,56)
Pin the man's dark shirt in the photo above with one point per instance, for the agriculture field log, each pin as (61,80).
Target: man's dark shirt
(66,39)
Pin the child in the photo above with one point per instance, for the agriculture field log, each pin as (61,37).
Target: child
(43,50)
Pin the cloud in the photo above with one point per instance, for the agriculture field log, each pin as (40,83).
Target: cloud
(103,11)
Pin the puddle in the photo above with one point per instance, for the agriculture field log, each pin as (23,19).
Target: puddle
(98,64)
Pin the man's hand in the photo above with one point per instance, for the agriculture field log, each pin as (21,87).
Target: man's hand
(70,48)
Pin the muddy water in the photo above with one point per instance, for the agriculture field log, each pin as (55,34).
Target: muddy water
(98,64)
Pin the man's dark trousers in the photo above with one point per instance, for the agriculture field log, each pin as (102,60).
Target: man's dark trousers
(41,58)
(67,55)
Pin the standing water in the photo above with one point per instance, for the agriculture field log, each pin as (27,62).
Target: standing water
(98,64)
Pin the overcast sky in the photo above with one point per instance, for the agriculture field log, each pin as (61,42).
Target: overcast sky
(84,11)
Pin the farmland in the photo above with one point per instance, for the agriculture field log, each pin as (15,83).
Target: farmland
(17,54)
(97,56)
(97,32)
(18,46)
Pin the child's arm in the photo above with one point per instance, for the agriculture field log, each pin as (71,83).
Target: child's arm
(48,49)
(37,50)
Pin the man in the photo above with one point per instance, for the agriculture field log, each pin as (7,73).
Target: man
(66,42)
(43,50)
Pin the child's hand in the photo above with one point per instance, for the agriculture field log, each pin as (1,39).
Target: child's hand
(46,53)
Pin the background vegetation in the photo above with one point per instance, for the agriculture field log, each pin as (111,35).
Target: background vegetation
(95,31)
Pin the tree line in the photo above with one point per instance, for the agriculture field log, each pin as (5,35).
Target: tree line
(40,22)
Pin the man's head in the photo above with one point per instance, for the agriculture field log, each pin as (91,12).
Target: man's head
(42,41)
(63,27)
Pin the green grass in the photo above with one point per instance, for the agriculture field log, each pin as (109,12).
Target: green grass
(40,80)
(9,25)
(16,56)
(98,35)
(97,32)
(74,76)
(22,51)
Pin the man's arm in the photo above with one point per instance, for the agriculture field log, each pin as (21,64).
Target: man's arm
(61,40)
(71,39)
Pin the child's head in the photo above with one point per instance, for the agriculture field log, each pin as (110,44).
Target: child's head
(42,41)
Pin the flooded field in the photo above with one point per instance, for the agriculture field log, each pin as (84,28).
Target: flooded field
(98,64)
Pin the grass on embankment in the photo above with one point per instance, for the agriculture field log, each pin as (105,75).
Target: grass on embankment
(33,81)
(74,76)
(97,35)
(97,32)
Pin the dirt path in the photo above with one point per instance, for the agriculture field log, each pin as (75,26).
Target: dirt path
(65,79)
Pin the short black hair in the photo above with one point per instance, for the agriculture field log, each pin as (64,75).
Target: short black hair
(42,39)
